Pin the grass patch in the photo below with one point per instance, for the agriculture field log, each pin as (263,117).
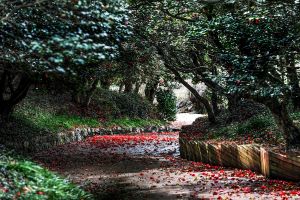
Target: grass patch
(22,179)
(53,122)
(45,114)
(259,128)
(137,123)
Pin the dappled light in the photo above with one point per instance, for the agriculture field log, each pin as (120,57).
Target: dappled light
(154,100)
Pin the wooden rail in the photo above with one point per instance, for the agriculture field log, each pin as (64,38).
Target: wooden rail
(253,157)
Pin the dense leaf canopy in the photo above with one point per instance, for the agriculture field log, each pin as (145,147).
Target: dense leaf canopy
(60,35)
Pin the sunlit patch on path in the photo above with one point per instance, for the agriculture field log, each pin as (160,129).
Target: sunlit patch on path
(147,166)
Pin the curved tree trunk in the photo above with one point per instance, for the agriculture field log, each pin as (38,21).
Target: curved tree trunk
(285,123)
(13,89)
(137,87)
(83,92)
(202,100)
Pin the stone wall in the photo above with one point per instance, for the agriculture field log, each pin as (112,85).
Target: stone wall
(40,143)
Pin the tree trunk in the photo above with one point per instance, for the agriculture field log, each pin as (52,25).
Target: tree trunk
(293,82)
(214,95)
(285,123)
(202,100)
(5,111)
(13,89)
(105,84)
(83,92)
(90,92)
(232,102)
(214,102)
(121,87)
(137,87)
(128,86)
(150,90)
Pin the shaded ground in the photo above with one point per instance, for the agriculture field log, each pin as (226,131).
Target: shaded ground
(147,166)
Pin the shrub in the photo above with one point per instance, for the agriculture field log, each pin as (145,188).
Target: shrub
(123,104)
(256,123)
(166,104)
(22,179)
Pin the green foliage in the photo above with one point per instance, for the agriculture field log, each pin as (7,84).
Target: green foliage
(259,127)
(59,35)
(53,122)
(256,124)
(253,42)
(296,116)
(41,114)
(123,105)
(134,123)
(166,104)
(22,179)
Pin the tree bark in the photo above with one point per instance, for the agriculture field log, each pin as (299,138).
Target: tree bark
(13,89)
(150,90)
(128,86)
(293,82)
(137,87)
(285,123)
(232,102)
(83,92)
(214,102)
(202,100)
(121,87)
(90,92)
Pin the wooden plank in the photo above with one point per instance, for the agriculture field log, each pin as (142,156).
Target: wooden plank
(292,160)
(265,167)
(228,157)
(248,158)
(213,154)
(188,150)
(204,153)
(198,149)
(182,148)
(197,152)
(252,157)
(282,167)
(194,151)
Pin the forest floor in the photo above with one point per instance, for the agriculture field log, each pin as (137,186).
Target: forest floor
(148,166)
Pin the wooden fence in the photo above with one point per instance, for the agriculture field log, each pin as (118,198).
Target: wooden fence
(253,157)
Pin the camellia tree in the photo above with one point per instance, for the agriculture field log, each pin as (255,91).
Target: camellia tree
(256,45)
(239,49)
(164,25)
(69,38)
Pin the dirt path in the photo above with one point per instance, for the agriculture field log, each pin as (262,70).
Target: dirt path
(147,166)
(185,119)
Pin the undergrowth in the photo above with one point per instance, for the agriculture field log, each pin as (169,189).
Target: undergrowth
(260,128)
(23,179)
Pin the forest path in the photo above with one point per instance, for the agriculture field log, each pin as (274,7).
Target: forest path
(185,119)
(148,166)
